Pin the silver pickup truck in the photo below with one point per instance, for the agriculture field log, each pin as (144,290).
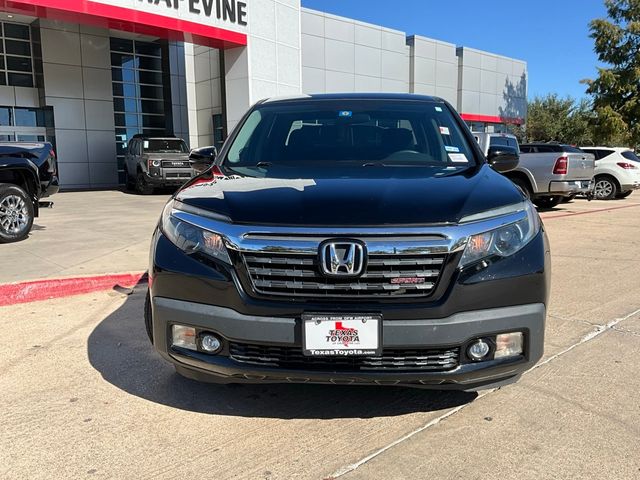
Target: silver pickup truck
(547,172)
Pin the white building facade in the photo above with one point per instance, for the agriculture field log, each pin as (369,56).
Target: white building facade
(89,74)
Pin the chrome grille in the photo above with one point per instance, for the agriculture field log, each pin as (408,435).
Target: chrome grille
(287,274)
(291,358)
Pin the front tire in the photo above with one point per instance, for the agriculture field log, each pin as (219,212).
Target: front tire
(148,317)
(142,186)
(547,202)
(16,213)
(605,188)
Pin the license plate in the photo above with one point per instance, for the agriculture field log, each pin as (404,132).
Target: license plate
(341,335)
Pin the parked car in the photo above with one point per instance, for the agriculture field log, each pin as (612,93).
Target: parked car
(356,239)
(550,172)
(153,162)
(28,173)
(617,172)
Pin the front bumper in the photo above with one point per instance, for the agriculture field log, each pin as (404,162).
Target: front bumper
(170,176)
(571,187)
(453,331)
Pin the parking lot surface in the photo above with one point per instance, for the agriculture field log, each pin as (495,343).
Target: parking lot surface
(85,396)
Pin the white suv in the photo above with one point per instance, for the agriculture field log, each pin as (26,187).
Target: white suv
(617,172)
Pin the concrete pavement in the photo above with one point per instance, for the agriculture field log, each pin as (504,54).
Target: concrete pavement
(86,233)
(85,396)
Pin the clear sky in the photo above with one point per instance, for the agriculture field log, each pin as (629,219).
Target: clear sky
(552,36)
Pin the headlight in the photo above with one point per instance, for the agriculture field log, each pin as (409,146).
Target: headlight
(155,163)
(191,239)
(502,241)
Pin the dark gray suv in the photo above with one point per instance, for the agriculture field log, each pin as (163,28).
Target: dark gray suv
(153,162)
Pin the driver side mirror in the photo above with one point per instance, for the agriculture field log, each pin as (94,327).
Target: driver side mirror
(503,158)
(201,159)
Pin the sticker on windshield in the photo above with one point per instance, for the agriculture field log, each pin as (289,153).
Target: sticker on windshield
(438,109)
(444,130)
(458,158)
(345,113)
(449,148)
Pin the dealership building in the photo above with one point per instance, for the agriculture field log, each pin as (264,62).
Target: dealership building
(89,74)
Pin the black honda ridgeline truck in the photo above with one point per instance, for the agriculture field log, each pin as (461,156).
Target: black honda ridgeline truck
(351,239)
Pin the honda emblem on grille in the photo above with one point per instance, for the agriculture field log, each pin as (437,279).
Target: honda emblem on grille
(342,259)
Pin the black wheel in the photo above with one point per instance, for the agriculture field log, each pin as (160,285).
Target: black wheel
(547,202)
(142,186)
(568,199)
(606,188)
(148,324)
(129,181)
(624,194)
(523,184)
(16,213)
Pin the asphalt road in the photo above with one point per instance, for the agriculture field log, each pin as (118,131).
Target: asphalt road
(85,396)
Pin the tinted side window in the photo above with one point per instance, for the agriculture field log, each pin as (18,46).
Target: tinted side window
(605,153)
(525,149)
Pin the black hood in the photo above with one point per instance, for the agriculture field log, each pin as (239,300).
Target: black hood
(368,196)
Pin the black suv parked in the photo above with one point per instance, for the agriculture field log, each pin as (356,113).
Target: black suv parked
(28,173)
(359,239)
(153,162)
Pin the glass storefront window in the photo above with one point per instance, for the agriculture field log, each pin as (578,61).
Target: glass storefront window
(139,89)
(16,62)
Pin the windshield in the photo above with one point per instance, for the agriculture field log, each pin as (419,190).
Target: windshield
(165,146)
(629,155)
(336,134)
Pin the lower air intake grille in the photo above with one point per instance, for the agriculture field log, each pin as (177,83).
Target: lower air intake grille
(291,358)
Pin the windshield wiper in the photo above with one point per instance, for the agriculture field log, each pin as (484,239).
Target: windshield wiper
(263,164)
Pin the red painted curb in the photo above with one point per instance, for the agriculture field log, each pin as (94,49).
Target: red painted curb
(25,292)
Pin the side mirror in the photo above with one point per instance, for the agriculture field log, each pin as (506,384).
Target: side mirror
(502,158)
(201,159)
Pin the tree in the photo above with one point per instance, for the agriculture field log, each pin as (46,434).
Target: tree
(554,119)
(616,91)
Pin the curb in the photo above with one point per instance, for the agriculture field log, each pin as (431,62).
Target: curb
(37,290)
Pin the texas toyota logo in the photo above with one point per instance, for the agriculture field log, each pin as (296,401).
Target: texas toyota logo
(341,335)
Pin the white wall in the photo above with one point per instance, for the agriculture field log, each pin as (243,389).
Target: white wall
(344,55)
(433,68)
(77,84)
(491,84)
(204,93)
(270,64)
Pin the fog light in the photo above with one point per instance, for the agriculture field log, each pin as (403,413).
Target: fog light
(184,337)
(508,345)
(210,343)
(478,350)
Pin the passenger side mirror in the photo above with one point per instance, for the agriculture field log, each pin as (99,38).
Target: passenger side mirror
(201,159)
(503,158)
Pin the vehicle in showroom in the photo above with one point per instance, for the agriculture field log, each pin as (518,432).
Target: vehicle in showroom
(617,172)
(156,162)
(551,172)
(28,174)
(351,239)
